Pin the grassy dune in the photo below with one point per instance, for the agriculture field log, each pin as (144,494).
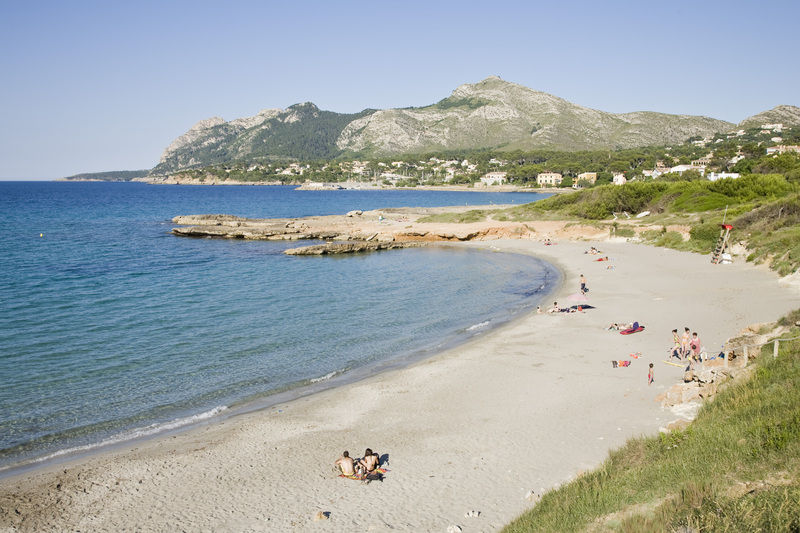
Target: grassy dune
(735,468)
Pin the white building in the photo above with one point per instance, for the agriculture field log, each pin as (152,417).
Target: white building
(549,178)
(782,149)
(494,178)
(714,176)
(619,179)
(680,169)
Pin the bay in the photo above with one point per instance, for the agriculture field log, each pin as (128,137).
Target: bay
(112,328)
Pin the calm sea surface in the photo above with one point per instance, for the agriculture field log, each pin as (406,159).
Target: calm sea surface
(111,328)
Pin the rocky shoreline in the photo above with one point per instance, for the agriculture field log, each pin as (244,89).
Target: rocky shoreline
(357,231)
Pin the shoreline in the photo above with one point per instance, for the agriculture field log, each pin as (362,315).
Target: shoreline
(118,442)
(354,186)
(471,408)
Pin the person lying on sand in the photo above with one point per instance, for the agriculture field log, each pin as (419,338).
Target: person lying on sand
(619,326)
(346,464)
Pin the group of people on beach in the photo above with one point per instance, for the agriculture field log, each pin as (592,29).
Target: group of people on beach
(686,346)
(366,468)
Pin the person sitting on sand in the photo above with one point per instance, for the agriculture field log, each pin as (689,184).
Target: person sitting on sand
(554,309)
(345,464)
(539,310)
(368,463)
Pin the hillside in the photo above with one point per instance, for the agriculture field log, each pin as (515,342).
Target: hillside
(788,115)
(493,114)
(498,114)
(302,131)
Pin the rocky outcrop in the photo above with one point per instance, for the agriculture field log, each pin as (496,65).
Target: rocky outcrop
(788,115)
(350,247)
(302,131)
(496,113)
(354,232)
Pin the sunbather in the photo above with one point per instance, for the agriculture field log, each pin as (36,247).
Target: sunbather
(368,463)
(346,464)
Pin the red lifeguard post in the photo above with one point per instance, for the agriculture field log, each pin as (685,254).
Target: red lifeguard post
(722,243)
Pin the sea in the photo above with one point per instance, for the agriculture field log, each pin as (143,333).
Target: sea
(112,329)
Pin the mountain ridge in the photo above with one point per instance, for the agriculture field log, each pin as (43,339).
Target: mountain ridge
(490,114)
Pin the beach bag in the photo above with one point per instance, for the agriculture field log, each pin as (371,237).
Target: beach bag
(374,476)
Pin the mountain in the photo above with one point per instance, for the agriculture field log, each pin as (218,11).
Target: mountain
(498,114)
(788,115)
(493,114)
(302,131)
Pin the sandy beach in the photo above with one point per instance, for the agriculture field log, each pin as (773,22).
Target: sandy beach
(524,407)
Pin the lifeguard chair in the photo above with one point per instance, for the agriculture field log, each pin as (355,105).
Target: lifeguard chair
(723,243)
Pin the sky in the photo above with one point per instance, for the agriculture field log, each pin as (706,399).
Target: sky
(98,86)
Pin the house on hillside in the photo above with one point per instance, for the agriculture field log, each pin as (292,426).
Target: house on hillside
(714,176)
(680,169)
(703,161)
(782,149)
(553,179)
(591,177)
(619,179)
(494,178)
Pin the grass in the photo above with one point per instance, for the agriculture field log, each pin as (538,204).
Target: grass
(763,209)
(735,468)
(474,215)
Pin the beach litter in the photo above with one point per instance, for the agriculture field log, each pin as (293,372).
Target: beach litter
(472,514)
(454,529)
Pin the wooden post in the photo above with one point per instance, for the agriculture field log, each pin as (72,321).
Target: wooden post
(775,349)
(746,355)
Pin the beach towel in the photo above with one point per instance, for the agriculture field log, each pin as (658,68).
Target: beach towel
(633,329)
(617,364)
(375,475)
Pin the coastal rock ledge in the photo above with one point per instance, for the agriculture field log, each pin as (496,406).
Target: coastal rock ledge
(354,232)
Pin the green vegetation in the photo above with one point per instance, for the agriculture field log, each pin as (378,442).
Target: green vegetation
(114,175)
(474,215)
(658,196)
(302,132)
(764,210)
(470,103)
(735,468)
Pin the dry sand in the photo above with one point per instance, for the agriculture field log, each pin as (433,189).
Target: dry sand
(524,407)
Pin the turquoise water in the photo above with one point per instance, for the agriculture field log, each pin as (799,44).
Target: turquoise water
(112,328)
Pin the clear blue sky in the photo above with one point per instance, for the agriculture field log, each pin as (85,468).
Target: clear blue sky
(94,86)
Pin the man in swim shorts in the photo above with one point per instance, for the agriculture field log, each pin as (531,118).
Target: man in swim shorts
(346,464)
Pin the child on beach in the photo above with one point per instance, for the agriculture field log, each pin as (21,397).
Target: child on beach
(651,375)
